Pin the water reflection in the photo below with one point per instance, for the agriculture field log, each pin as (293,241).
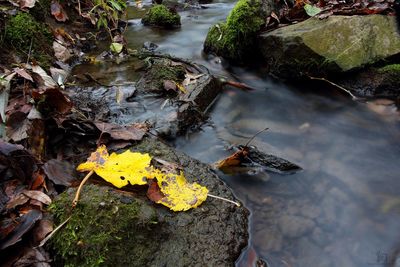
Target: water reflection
(344,208)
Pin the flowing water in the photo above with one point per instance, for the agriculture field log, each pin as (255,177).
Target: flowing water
(344,208)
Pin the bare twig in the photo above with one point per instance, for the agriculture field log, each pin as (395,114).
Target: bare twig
(336,85)
(225,199)
(78,192)
(254,136)
(53,232)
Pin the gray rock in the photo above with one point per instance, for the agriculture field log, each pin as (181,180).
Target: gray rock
(334,45)
(141,233)
(293,226)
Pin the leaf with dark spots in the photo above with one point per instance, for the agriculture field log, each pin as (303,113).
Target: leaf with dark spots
(58,11)
(133,132)
(59,172)
(52,100)
(25,223)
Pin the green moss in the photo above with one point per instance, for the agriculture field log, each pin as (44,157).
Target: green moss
(160,15)
(160,72)
(236,38)
(105,229)
(390,68)
(22,29)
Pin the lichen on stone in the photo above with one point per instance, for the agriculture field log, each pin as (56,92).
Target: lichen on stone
(235,38)
(160,15)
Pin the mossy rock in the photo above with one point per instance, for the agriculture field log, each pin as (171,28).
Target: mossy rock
(111,228)
(161,70)
(235,38)
(23,29)
(105,227)
(160,15)
(336,45)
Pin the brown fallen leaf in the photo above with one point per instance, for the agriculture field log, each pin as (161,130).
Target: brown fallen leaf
(133,132)
(26,223)
(61,52)
(233,160)
(41,230)
(23,73)
(52,100)
(16,201)
(58,11)
(36,257)
(38,181)
(27,3)
(18,126)
(59,172)
(153,192)
(38,195)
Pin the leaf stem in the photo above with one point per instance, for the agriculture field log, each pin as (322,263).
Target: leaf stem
(225,199)
(78,192)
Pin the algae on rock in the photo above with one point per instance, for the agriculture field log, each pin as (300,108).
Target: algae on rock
(160,15)
(235,38)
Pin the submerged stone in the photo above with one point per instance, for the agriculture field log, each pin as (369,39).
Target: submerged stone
(111,228)
(160,15)
(335,45)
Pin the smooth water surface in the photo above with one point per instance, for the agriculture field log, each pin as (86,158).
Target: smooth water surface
(344,208)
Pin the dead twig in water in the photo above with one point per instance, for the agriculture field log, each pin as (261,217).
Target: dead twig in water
(239,85)
(336,85)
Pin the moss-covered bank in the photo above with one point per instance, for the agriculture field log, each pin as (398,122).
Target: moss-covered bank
(28,37)
(160,15)
(235,38)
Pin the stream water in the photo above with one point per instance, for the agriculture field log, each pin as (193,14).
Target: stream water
(344,208)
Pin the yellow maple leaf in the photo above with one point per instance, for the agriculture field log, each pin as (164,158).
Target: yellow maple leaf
(179,195)
(119,169)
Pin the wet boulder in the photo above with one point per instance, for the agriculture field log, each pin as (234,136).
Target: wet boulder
(235,39)
(116,228)
(187,90)
(374,82)
(334,45)
(162,16)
